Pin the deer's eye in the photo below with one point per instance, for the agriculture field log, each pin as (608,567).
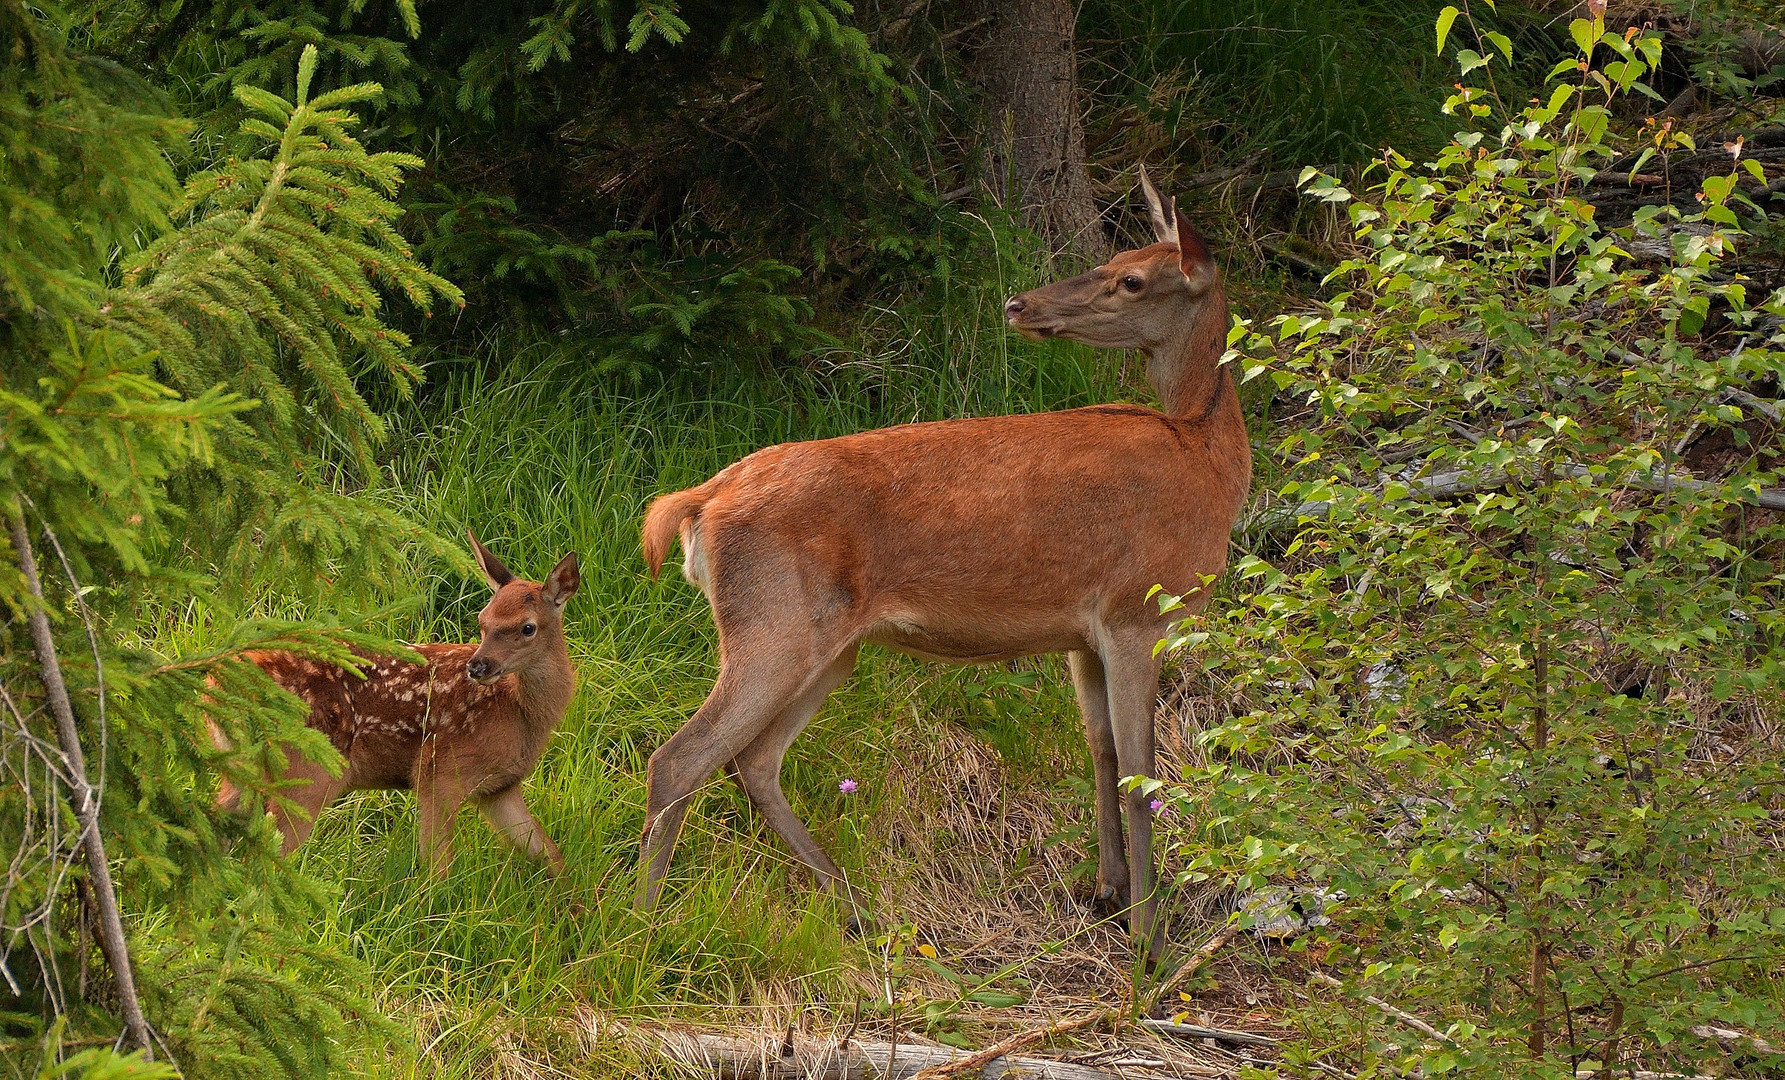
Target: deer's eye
(1132,283)
(528,629)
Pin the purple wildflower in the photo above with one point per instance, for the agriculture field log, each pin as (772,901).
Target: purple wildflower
(847,787)
(1157,805)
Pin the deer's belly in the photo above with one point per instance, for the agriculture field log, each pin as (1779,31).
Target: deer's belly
(381,759)
(960,643)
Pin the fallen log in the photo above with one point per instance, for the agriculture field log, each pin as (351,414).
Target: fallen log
(735,1057)
(1006,1047)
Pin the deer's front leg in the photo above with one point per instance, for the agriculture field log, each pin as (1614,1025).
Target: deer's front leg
(507,813)
(441,784)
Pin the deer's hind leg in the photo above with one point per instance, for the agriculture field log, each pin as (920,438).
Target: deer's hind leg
(754,687)
(780,633)
(758,771)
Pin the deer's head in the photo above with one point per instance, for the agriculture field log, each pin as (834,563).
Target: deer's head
(1149,298)
(523,623)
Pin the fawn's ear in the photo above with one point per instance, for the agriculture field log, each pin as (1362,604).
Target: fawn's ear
(1193,254)
(1164,218)
(561,584)
(493,570)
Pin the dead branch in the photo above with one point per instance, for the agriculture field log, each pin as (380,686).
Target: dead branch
(1470,481)
(1399,1014)
(1216,942)
(1731,1039)
(1637,1075)
(86,803)
(1296,261)
(1022,1040)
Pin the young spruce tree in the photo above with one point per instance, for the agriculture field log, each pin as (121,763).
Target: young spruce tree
(180,386)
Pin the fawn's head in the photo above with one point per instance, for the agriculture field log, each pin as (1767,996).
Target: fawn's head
(1148,298)
(523,624)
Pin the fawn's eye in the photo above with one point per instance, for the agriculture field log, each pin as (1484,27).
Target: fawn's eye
(528,629)
(1132,283)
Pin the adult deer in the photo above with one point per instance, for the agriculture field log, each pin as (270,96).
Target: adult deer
(468,723)
(973,541)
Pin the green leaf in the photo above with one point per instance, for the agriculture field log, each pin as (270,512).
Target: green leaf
(1584,35)
(1693,313)
(1446,19)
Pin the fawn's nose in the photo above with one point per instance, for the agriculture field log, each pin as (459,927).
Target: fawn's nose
(1014,307)
(479,668)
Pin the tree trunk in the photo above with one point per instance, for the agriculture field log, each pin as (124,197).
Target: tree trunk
(1026,64)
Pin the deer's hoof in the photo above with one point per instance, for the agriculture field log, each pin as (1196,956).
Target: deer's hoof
(1110,899)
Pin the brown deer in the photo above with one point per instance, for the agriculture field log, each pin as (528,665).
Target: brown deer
(469,723)
(974,541)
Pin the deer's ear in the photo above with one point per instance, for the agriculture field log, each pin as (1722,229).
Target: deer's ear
(493,570)
(1164,218)
(561,584)
(1193,254)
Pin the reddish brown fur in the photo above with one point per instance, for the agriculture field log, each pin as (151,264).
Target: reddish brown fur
(432,727)
(971,541)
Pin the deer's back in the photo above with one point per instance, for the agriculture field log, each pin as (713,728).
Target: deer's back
(379,722)
(993,536)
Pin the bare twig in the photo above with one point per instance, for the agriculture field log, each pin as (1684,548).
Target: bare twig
(86,804)
(1399,1014)
(1637,1075)
(1296,261)
(1469,481)
(1197,1031)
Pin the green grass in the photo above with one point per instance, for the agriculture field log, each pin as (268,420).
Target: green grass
(553,460)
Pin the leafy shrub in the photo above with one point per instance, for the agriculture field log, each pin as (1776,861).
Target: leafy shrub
(1511,686)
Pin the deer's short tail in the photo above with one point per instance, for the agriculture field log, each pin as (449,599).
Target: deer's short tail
(663,521)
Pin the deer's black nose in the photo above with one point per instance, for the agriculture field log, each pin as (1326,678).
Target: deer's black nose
(1014,307)
(479,668)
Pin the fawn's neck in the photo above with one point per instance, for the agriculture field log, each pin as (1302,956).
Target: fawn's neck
(546,688)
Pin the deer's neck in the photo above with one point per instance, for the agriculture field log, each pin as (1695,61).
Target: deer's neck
(1186,372)
(546,689)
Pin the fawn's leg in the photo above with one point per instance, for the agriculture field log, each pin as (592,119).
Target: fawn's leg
(441,784)
(295,809)
(507,813)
